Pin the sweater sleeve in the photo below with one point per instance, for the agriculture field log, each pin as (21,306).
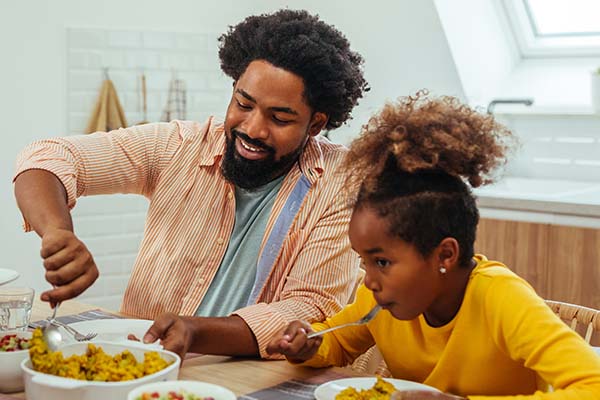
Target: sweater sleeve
(531,333)
(343,346)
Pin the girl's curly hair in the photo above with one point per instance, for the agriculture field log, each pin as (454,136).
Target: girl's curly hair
(412,161)
(306,46)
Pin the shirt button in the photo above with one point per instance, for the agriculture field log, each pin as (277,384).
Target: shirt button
(201,280)
(229,195)
(220,241)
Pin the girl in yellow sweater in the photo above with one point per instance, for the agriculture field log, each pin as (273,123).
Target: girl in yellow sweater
(451,319)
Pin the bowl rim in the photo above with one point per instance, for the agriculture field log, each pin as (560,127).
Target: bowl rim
(27,335)
(138,390)
(28,370)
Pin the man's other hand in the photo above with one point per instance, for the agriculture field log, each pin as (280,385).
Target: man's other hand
(173,332)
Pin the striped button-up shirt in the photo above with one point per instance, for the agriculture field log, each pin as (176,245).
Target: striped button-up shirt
(306,268)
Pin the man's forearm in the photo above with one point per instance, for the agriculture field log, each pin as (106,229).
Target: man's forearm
(222,336)
(43,201)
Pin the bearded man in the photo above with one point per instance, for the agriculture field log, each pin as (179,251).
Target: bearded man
(246,230)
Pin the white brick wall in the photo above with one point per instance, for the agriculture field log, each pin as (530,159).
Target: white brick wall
(191,57)
(112,226)
(556,147)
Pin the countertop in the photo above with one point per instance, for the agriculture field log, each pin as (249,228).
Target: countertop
(542,200)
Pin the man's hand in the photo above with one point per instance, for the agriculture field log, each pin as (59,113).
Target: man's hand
(174,332)
(293,342)
(423,395)
(70,267)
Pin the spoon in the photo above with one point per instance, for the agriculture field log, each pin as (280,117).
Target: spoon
(367,318)
(52,335)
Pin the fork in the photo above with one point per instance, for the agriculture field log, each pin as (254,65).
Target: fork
(80,337)
(370,315)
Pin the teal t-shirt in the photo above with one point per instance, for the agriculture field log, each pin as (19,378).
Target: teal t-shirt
(233,282)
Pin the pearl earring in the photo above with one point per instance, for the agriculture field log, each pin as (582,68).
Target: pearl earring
(442,270)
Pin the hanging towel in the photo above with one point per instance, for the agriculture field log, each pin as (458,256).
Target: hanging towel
(108,113)
(176,103)
(144,101)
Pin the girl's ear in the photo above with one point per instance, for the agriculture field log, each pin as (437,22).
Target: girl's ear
(448,252)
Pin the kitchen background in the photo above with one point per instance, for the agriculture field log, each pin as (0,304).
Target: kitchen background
(55,55)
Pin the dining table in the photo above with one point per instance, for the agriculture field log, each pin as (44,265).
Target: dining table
(242,376)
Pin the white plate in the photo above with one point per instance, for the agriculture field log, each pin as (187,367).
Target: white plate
(7,275)
(198,388)
(329,390)
(110,330)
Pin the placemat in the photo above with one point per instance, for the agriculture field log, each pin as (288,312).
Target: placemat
(84,316)
(294,389)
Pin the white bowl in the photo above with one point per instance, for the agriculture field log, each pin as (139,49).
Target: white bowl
(11,375)
(40,386)
(201,389)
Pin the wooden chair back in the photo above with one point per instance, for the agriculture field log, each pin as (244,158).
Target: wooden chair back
(584,320)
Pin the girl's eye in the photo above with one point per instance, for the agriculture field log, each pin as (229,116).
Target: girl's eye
(382,263)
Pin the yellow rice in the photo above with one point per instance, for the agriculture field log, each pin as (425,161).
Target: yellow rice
(381,390)
(95,365)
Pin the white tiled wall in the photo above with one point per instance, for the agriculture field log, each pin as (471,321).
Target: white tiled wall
(556,147)
(160,55)
(112,226)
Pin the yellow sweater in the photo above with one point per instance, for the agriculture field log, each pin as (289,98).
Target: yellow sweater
(503,342)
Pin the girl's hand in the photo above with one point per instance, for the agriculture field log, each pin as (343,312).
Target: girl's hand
(293,343)
(424,395)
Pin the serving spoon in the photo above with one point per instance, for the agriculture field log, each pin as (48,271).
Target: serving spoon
(51,333)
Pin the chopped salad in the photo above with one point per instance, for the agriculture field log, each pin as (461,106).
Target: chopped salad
(182,395)
(12,342)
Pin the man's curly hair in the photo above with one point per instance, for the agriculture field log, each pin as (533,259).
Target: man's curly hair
(306,46)
(413,160)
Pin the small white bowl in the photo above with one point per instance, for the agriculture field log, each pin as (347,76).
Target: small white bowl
(201,389)
(11,375)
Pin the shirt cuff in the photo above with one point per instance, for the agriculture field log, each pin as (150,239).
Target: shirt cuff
(264,322)
(63,177)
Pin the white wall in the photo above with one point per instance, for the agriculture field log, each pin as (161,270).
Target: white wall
(401,40)
(559,133)
(490,63)
(483,54)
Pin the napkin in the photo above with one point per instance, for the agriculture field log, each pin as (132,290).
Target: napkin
(84,316)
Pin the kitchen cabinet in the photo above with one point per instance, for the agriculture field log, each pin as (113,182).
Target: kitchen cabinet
(561,262)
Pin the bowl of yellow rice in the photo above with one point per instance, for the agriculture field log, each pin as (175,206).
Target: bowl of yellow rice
(93,371)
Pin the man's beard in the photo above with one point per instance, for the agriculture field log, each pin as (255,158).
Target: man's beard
(252,174)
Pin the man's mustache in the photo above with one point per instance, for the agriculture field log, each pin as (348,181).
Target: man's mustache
(253,142)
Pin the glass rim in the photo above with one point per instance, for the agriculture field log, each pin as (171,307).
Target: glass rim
(16,291)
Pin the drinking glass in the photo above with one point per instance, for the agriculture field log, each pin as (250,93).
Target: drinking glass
(15,308)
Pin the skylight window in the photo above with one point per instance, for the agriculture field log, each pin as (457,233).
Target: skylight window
(559,18)
(553,28)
